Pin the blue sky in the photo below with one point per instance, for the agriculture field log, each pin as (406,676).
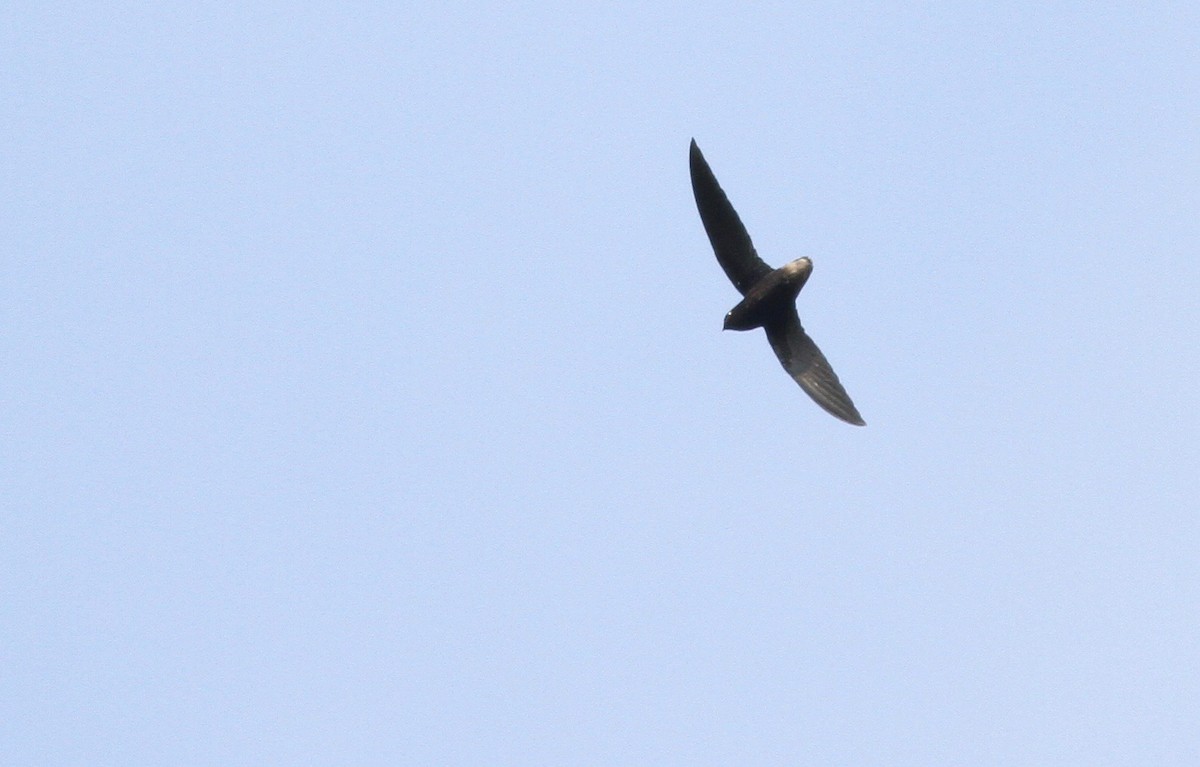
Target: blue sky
(366,400)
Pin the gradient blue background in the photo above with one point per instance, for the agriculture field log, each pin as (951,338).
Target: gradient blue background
(365,401)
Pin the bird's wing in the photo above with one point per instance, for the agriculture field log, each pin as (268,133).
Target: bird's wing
(729,238)
(804,362)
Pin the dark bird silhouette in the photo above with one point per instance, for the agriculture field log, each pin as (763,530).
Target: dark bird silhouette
(769,295)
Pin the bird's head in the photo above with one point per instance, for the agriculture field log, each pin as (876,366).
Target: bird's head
(799,269)
(797,272)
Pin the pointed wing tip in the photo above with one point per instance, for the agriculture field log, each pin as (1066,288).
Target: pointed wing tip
(849,415)
(837,404)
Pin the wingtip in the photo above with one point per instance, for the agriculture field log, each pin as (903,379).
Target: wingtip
(696,163)
(849,416)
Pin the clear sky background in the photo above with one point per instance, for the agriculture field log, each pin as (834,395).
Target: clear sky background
(365,399)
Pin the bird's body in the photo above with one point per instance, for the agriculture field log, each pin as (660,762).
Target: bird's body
(769,295)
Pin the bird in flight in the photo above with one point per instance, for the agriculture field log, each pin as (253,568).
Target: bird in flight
(769,295)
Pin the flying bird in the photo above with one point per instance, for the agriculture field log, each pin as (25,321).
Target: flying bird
(769,295)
